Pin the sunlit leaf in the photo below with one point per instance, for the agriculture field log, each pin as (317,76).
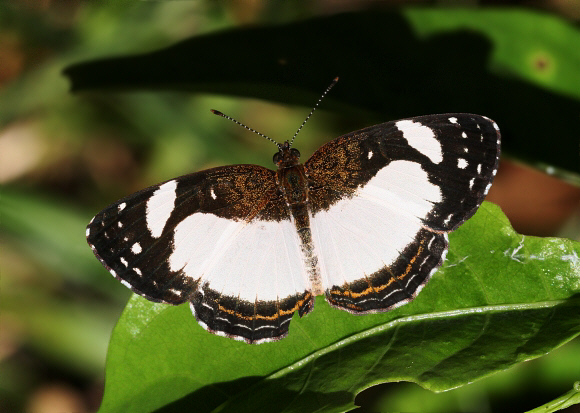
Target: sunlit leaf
(500,298)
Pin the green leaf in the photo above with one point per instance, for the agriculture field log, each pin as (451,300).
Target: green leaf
(517,389)
(541,60)
(566,400)
(516,66)
(500,298)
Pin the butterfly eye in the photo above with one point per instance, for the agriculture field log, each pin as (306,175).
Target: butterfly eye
(295,152)
(277,157)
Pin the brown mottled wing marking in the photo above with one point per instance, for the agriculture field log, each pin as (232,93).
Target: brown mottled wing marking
(245,194)
(337,169)
(443,170)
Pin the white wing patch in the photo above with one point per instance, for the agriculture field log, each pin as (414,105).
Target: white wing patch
(260,260)
(358,236)
(421,138)
(159,207)
(136,248)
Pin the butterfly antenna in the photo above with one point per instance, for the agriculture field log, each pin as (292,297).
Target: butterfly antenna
(217,112)
(314,108)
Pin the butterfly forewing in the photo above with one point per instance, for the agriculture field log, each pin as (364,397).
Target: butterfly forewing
(383,198)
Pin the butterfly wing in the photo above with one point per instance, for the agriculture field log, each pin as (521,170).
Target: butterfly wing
(220,238)
(384,198)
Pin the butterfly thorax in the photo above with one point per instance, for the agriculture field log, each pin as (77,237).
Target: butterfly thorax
(291,176)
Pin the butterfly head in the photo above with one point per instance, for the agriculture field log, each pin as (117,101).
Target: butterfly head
(286,156)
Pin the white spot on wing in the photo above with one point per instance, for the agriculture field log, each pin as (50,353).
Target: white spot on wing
(444,255)
(124,261)
(370,155)
(448,219)
(479,169)
(430,242)
(122,206)
(421,138)
(212,193)
(453,119)
(125,283)
(137,270)
(88,231)
(461,163)
(176,292)
(471,183)
(120,224)
(487,189)
(463,134)
(159,207)
(136,248)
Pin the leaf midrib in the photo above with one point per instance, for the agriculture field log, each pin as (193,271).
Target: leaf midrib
(408,319)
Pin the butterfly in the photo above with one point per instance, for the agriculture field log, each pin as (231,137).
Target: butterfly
(364,221)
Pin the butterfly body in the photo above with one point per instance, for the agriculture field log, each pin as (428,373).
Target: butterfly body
(363,221)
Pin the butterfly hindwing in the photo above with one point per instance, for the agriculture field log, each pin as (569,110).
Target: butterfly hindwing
(221,239)
(383,198)
(391,285)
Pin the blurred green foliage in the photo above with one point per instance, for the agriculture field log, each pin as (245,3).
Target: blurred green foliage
(65,156)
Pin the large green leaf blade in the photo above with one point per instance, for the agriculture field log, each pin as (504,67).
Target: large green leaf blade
(440,352)
(499,299)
